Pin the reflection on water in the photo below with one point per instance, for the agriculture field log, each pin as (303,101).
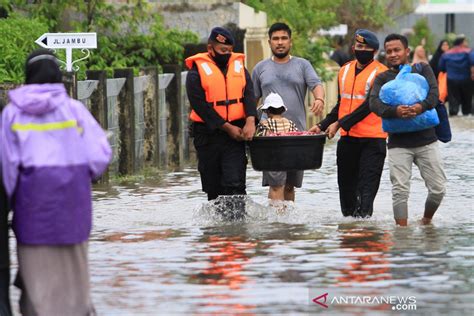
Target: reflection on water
(369,247)
(227,258)
(160,248)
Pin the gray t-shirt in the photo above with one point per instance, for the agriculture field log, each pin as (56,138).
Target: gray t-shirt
(290,80)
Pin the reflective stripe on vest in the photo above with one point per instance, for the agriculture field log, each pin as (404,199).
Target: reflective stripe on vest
(344,75)
(353,91)
(44,127)
(225,94)
(368,84)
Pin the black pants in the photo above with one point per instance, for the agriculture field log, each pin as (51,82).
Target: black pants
(359,168)
(222,163)
(459,93)
(5,309)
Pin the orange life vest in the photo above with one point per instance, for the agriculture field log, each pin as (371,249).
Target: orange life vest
(224,93)
(354,90)
(443,86)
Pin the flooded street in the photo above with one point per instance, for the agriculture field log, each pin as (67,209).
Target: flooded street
(156,250)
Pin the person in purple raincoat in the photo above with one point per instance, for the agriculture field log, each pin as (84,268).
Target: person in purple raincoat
(51,149)
(5,309)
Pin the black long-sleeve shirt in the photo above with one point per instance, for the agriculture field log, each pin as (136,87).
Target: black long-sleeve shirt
(350,119)
(411,139)
(197,99)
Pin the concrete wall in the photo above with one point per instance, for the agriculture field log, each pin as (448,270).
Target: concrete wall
(199,16)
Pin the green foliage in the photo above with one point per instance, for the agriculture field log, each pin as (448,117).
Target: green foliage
(422,34)
(148,175)
(127,35)
(17,41)
(371,14)
(450,37)
(316,50)
(305,17)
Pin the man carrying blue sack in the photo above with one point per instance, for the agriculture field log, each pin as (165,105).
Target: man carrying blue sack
(404,149)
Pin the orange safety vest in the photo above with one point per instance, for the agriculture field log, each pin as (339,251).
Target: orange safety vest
(354,90)
(443,86)
(224,93)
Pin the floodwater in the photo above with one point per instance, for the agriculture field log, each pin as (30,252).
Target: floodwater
(157,249)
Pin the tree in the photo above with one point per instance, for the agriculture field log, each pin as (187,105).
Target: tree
(371,14)
(305,18)
(422,33)
(128,35)
(15,44)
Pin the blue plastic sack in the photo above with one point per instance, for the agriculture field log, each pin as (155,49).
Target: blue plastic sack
(407,89)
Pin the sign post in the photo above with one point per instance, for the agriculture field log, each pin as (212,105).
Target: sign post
(69,41)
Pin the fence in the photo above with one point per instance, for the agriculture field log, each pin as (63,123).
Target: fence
(146,117)
(144,120)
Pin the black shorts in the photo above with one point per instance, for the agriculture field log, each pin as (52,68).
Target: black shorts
(279,178)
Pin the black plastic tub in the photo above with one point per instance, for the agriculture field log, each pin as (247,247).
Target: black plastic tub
(286,153)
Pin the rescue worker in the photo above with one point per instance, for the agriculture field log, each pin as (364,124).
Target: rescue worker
(361,149)
(221,95)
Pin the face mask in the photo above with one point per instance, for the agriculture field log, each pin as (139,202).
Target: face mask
(364,56)
(221,59)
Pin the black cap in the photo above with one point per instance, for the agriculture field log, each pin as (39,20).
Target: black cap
(367,37)
(221,35)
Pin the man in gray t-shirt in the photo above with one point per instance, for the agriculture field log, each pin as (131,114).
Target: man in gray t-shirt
(290,77)
(291,80)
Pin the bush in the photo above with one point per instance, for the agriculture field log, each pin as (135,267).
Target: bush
(127,36)
(422,33)
(17,41)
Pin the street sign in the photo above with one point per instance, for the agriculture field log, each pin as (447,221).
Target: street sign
(69,41)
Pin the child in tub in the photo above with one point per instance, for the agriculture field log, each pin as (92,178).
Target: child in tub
(275,123)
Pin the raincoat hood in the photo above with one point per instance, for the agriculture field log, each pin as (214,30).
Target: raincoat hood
(38,98)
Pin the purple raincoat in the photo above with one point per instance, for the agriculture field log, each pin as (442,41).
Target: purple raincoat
(51,148)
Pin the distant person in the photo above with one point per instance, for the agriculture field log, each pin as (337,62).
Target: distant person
(419,55)
(458,63)
(361,149)
(291,77)
(405,149)
(51,149)
(5,308)
(381,58)
(340,56)
(440,75)
(443,47)
(274,107)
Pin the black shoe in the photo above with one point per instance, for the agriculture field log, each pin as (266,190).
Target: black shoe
(231,207)
(347,212)
(363,213)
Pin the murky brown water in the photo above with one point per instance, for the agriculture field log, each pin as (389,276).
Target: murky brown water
(155,249)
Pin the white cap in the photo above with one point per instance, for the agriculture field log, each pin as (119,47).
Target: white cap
(273,100)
